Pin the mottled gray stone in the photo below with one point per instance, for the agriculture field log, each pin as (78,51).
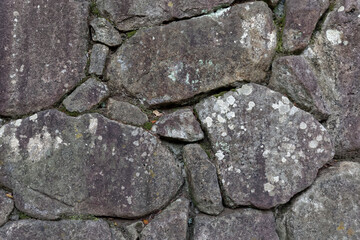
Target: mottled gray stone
(132,231)
(58,165)
(170,224)
(300,22)
(6,206)
(266,149)
(176,149)
(104,32)
(125,113)
(180,125)
(329,209)
(336,60)
(239,224)
(86,96)
(43,52)
(293,76)
(98,59)
(56,230)
(117,234)
(134,14)
(202,178)
(272,3)
(180,60)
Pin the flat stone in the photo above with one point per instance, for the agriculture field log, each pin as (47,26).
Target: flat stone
(170,224)
(98,59)
(293,76)
(182,59)
(134,14)
(202,178)
(56,165)
(329,209)
(6,206)
(300,22)
(239,224)
(335,60)
(104,32)
(180,125)
(266,149)
(125,112)
(43,52)
(86,96)
(56,230)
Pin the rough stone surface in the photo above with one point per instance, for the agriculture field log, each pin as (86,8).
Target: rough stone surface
(239,224)
(56,230)
(197,55)
(86,96)
(266,149)
(180,125)
(134,14)
(104,32)
(98,59)
(58,164)
(329,209)
(293,76)
(272,3)
(132,231)
(1,122)
(203,181)
(300,22)
(117,234)
(336,60)
(170,224)
(125,113)
(6,207)
(43,52)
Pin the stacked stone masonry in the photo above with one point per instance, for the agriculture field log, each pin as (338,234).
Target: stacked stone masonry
(181,119)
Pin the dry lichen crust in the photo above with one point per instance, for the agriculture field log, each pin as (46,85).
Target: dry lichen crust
(267,150)
(58,164)
(175,62)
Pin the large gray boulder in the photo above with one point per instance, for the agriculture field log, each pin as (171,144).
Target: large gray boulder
(56,230)
(43,52)
(240,224)
(266,149)
(134,14)
(6,206)
(183,59)
(58,164)
(329,209)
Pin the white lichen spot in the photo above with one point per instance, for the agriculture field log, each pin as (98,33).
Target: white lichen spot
(136,143)
(219,13)
(319,138)
(58,141)
(99,138)
(333,36)
(268,187)
(221,119)
(33,117)
(220,155)
(224,134)
(320,150)
(341,9)
(17,123)
(230,100)
(221,106)
(313,144)
(93,124)
(135,132)
(16,14)
(285,100)
(230,115)
(231,127)
(251,105)
(122,188)
(303,125)
(245,90)
(283,160)
(208,121)
(128,198)
(39,145)
(137,174)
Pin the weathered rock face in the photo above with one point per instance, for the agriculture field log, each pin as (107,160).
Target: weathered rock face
(86,96)
(104,32)
(329,209)
(6,207)
(267,150)
(125,113)
(239,224)
(43,52)
(293,76)
(180,125)
(56,230)
(57,164)
(134,14)
(203,181)
(170,224)
(98,58)
(300,22)
(182,59)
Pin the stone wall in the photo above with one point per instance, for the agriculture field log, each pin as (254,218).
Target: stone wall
(180,119)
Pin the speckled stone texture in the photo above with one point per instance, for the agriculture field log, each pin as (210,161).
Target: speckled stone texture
(6,206)
(104,32)
(125,112)
(59,165)
(266,149)
(183,59)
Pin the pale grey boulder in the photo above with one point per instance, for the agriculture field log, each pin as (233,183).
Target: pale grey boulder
(98,57)
(329,209)
(125,112)
(43,52)
(182,59)
(86,96)
(236,224)
(202,179)
(181,125)
(266,149)
(104,32)
(6,207)
(59,165)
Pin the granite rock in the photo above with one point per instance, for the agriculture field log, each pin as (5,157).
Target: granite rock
(104,32)
(98,59)
(125,112)
(6,207)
